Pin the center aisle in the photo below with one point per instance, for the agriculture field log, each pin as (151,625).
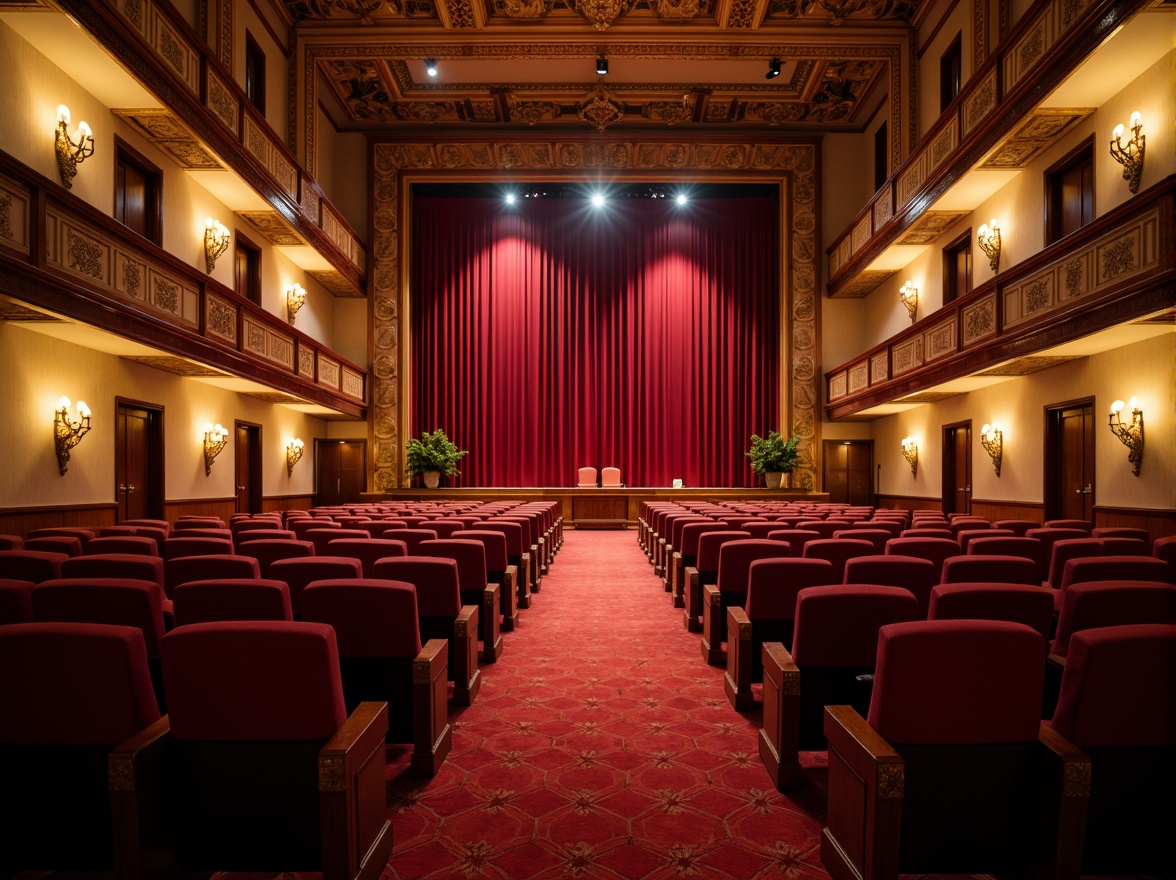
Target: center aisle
(602,746)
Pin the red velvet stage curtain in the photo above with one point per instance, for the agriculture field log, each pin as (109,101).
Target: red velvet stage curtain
(550,335)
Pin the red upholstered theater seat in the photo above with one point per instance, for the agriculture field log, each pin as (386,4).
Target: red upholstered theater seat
(1116,705)
(935,550)
(174,548)
(500,571)
(442,615)
(908,572)
(1121,532)
(876,537)
(367,550)
(206,601)
(823,528)
(834,648)
(767,616)
(130,545)
(16,602)
(11,542)
(517,554)
(322,537)
(989,569)
(82,690)
(198,522)
(115,565)
(301,526)
(258,727)
(797,538)
(705,571)
(1165,549)
(268,552)
(1018,527)
(730,588)
(476,589)
(382,658)
(298,572)
(685,553)
(446,528)
(1080,524)
(967,536)
(202,568)
(30,565)
(1019,603)
(955,716)
(66,544)
(271,534)
(412,538)
(838,551)
(83,535)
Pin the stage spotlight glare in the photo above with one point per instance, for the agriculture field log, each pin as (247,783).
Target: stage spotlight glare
(681,198)
(431,66)
(598,200)
(510,198)
(773,69)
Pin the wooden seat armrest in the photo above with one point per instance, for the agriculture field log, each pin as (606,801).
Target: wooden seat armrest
(364,727)
(778,660)
(736,616)
(1057,853)
(127,765)
(710,592)
(862,747)
(469,616)
(1057,660)
(466,675)
(433,656)
(431,736)
(137,776)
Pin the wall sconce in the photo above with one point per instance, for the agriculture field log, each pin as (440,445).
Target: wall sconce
(295,298)
(67,434)
(215,437)
(910,451)
(992,439)
(908,294)
(216,242)
(1131,155)
(988,237)
(293,454)
(71,153)
(1131,435)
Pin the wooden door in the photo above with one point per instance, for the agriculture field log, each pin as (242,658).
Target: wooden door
(1069,462)
(339,471)
(248,467)
(957,468)
(138,460)
(848,466)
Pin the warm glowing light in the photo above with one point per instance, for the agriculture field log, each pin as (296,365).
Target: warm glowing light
(681,198)
(597,200)
(1117,406)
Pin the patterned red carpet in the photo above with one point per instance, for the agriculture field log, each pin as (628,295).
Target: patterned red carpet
(602,746)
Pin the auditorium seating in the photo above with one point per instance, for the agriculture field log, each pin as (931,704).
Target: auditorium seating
(838,551)
(301,526)
(367,550)
(257,727)
(1080,524)
(797,538)
(989,569)
(442,615)
(83,535)
(298,572)
(131,545)
(268,552)
(11,542)
(705,571)
(1019,603)
(66,544)
(202,568)
(16,603)
(1165,549)
(30,565)
(730,588)
(205,601)
(952,771)
(1019,527)
(876,537)
(834,647)
(909,572)
(82,690)
(381,658)
(517,554)
(685,554)
(499,571)
(767,616)
(174,548)
(475,588)
(1116,705)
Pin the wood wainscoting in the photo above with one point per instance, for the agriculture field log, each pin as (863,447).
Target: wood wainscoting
(907,502)
(1159,523)
(22,520)
(1033,511)
(278,503)
(174,508)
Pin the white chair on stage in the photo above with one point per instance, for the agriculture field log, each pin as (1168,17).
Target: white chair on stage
(586,478)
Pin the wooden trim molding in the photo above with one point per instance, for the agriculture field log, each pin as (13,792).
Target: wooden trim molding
(22,520)
(909,502)
(277,503)
(174,508)
(1159,523)
(994,510)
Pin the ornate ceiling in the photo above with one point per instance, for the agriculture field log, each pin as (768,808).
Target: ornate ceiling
(671,63)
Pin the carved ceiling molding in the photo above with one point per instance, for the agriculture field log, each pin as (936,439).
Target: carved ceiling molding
(600,108)
(864,282)
(165,131)
(929,396)
(1026,365)
(929,227)
(791,162)
(178,366)
(270,224)
(335,283)
(11,310)
(1036,133)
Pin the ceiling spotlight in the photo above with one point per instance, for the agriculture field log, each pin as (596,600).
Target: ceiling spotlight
(773,69)
(597,200)
(510,198)
(601,66)
(431,66)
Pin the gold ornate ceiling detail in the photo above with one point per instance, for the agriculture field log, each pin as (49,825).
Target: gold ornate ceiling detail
(864,282)
(11,310)
(600,108)
(273,227)
(177,365)
(166,132)
(929,227)
(1034,135)
(601,13)
(531,112)
(675,10)
(1026,365)
(359,10)
(525,10)
(335,283)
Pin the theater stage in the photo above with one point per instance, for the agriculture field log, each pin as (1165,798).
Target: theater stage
(598,508)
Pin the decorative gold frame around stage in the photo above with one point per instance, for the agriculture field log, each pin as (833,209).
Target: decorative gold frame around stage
(791,163)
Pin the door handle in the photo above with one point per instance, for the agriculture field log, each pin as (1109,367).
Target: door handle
(339,486)
(130,490)
(240,488)
(1087,490)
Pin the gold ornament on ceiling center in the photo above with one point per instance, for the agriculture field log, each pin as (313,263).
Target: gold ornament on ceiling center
(602,13)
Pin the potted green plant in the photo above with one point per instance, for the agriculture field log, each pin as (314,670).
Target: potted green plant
(433,456)
(773,456)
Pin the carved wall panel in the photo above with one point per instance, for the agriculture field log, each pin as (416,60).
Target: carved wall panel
(879,368)
(267,343)
(328,371)
(257,141)
(940,340)
(306,361)
(838,385)
(979,320)
(220,318)
(14,215)
(168,44)
(908,355)
(859,377)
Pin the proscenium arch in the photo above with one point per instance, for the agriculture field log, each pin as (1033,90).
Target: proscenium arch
(790,163)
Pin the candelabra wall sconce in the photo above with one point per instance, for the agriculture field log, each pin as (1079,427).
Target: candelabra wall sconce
(216,242)
(293,453)
(1131,435)
(988,237)
(908,294)
(295,299)
(71,152)
(910,451)
(1130,155)
(215,437)
(67,434)
(992,439)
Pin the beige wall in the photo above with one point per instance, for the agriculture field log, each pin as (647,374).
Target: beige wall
(342,170)
(40,369)
(956,18)
(1146,370)
(277,73)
